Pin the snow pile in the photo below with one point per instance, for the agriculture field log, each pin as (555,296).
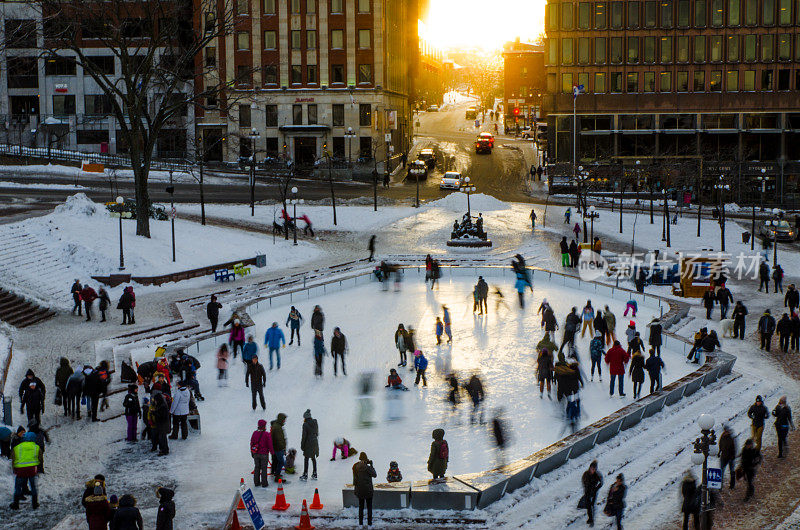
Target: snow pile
(78,204)
(479,202)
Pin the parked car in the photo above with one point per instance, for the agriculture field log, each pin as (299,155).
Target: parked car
(451,180)
(783,231)
(127,210)
(433,108)
(417,170)
(484,143)
(428,156)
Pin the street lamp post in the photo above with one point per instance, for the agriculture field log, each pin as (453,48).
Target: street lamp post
(253,135)
(702,446)
(171,191)
(295,201)
(592,216)
(721,187)
(775,222)
(350,133)
(666,214)
(467,189)
(120,202)
(763,178)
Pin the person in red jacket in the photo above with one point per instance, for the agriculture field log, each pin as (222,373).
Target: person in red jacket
(88,295)
(617,358)
(260,448)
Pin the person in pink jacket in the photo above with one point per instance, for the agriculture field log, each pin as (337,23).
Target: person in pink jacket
(222,365)
(617,358)
(260,449)
(236,338)
(344,446)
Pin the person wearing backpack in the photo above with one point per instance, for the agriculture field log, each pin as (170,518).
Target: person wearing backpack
(440,454)
(133,411)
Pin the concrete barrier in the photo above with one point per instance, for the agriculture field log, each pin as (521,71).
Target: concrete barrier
(389,496)
(443,494)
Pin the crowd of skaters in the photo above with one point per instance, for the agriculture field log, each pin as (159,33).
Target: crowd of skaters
(84,295)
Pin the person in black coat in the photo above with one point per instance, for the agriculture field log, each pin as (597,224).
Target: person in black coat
(212,311)
(162,424)
(794,339)
(792,298)
(763,276)
(75,290)
(166,509)
(655,336)
(24,385)
(127,516)
(92,388)
(33,402)
(317,319)
(689,500)
(592,482)
(739,312)
(256,378)
(766,327)
(654,364)
(574,253)
(784,329)
(363,473)
(338,349)
(751,458)
(709,299)
(615,502)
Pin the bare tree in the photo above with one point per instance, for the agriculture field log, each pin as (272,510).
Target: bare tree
(159,47)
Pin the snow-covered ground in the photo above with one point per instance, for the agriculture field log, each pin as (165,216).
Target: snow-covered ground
(498,346)
(36,185)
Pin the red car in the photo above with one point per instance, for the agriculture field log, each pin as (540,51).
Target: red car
(484,143)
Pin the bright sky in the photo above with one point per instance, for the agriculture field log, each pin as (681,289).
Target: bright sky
(483,23)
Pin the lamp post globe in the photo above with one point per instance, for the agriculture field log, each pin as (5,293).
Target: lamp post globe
(706,422)
(698,458)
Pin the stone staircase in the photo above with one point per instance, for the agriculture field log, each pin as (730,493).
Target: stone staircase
(19,312)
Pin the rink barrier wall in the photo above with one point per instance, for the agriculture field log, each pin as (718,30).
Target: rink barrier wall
(478,490)
(5,363)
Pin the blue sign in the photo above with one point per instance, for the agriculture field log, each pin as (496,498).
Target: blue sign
(714,478)
(252,508)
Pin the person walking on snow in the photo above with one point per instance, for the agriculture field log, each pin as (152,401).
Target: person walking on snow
(260,449)
(751,458)
(180,411)
(236,336)
(592,481)
(533,220)
(88,295)
(564,246)
(574,252)
(338,349)
(792,298)
(587,318)
(317,320)
(75,290)
(577,231)
(611,326)
(212,312)
(166,509)
(709,299)
(654,364)
(615,502)
(293,321)
(309,444)
(127,303)
(63,373)
(763,276)
(783,422)
(690,496)
(274,339)
(371,248)
(616,359)
(784,330)
(133,412)
(739,314)
(567,215)
(104,302)
(777,277)
(24,462)
(256,379)
(757,413)
(222,365)
(363,473)
(249,351)
(766,327)
(596,352)
(278,446)
(727,453)
(319,353)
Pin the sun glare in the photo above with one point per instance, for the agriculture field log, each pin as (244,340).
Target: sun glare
(486,24)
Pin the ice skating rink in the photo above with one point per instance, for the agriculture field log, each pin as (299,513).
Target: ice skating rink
(498,346)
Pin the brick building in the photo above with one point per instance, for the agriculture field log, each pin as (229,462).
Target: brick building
(523,73)
(713,78)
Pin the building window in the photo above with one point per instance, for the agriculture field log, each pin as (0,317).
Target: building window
(297,115)
(750,48)
(766,80)
(211,21)
(566,83)
(717,13)
(649,55)
(338,147)
(682,49)
(270,40)
(244,116)
(650,14)
(271,74)
(103,64)
(768,12)
(242,7)
(699,81)
(666,50)
(616,82)
(666,14)
(364,38)
(700,13)
(665,82)
(617,15)
(551,14)
(311,74)
(337,73)
(56,65)
(749,80)
(272,146)
(311,39)
(649,81)
(600,50)
(295,7)
(97,105)
(242,40)
(337,39)
(523,71)
(566,51)
(732,81)
(715,48)
(699,49)
(365,114)
(271,115)
(552,51)
(797,50)
(784,47)
(296,74)
(599,15)
(683,13)
(733,48)
(583,79)
(63,105)
(566,15)
(715,81)
(244,75)
(364,73)
(91,137)
(633,14)
(599,83)
(312,114)
(785,12)
(296,40)
(682,82)
(311,6)
(269,7)
(767,48)
(750,12)
(733,12)
(584,15)
(632,82)
(212,102)
(784,79)
(633,50)
(211,56)
(616,50)
(337,112)
(365,147)
(363,6)
(337,6)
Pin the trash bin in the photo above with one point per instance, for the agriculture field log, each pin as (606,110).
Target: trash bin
(745,237)
(261,260)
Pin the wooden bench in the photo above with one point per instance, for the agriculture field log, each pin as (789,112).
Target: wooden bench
(224,275)
(240,270)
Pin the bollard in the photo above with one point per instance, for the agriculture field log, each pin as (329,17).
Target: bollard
(7,418)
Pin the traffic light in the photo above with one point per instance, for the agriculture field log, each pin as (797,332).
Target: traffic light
(516,111)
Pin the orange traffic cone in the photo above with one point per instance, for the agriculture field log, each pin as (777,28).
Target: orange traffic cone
(235,523)
(241,505)
(305,520)
(280,500)
(315,503)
